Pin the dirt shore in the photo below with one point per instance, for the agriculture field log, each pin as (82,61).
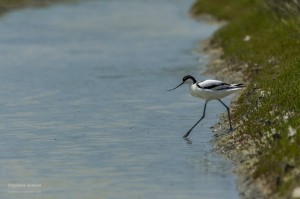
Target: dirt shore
(224,143)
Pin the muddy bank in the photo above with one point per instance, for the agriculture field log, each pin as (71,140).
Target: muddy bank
(261,45)
(224,143)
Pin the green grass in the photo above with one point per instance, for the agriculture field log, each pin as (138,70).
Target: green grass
(270,61)
(227,9)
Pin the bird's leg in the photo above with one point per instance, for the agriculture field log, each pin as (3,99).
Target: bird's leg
(231,129)
(189,131)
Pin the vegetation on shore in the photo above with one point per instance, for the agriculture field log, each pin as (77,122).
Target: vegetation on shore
(262,39)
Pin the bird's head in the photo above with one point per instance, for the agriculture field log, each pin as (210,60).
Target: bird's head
(188,79)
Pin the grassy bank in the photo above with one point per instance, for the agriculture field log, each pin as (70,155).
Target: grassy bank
(262,39)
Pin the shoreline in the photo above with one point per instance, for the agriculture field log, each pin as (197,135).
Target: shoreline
(264,147)
(260,45)
(222,141)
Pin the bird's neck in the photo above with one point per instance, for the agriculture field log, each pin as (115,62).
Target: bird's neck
(194,80)
(190,85)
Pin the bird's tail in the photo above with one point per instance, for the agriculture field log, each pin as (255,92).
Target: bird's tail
(238,85)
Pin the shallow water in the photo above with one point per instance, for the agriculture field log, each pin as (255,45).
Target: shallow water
(84,111)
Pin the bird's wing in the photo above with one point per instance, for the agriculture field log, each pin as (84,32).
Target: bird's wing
(213,85)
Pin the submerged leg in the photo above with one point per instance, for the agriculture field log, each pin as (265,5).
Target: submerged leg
(230,127)
(189,131)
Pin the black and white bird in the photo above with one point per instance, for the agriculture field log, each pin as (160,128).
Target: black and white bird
(209,90)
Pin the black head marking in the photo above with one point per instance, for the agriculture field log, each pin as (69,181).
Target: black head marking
(185,78)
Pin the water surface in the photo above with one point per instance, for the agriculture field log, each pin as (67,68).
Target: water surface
(84,111)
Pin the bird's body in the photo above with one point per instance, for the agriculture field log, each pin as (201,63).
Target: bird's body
(209,90)
(213,89)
